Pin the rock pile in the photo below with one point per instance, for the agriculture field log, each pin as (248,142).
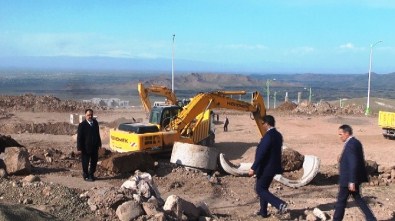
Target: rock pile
(139,197)
(324,108)
(383,176)
(59,202)
(30,102)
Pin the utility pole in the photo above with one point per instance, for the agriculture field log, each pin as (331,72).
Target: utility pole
(172,66)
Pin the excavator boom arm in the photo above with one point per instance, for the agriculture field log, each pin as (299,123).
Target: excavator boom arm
(155,89)
(213,100)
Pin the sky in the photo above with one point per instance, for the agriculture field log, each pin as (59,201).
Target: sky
(279,36)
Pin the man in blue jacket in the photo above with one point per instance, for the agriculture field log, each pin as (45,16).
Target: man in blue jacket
(266,165)
(352,173)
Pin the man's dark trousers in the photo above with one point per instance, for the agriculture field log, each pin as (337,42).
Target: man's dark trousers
(341,203)
(87,158)
(265,197)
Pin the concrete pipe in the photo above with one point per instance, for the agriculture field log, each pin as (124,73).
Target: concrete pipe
(311,166)
(193,155)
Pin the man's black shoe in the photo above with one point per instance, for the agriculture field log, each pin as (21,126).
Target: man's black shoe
(262,215)
(91,178)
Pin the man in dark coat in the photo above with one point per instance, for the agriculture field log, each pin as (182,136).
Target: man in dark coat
(266,165)
(226,124)
(89,142)
(352,173)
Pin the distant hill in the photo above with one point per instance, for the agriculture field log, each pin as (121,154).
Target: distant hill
(123,84)
(324,86)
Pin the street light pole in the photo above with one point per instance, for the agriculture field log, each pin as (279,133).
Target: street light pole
(172,66)
(268,93)
(275,98)
(367,112)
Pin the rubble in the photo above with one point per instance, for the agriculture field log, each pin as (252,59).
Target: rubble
(325,108)
(30,102)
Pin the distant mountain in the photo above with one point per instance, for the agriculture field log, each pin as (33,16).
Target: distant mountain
(66,63)
(85,84)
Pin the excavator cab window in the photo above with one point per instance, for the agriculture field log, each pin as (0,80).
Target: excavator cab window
(162,115)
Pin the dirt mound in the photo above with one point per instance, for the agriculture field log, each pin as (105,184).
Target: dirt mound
(286,106)
(59,128)
(30,102)
(128,162)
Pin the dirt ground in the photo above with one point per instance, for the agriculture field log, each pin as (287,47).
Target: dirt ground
(230,198)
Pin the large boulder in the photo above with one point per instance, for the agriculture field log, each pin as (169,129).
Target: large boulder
(16,160)
(129,210)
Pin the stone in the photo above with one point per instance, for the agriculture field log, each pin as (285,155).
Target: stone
(204,210)
(150,208)
(129,210)
(319,213)
(3,173)
(160,217)
(17,161)
(371,167)
(31,179)
(311,217)
(177,206)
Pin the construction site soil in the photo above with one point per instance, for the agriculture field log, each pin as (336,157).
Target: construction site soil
(41,125)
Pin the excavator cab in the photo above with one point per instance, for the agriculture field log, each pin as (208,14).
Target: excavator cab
(162,115)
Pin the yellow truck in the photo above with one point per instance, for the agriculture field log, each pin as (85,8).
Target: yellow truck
(387,123)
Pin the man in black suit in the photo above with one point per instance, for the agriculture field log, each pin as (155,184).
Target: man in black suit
(266,165)
(89,142)
(226,124)
(352,173)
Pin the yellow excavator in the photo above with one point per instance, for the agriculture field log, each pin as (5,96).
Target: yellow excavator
(191,124)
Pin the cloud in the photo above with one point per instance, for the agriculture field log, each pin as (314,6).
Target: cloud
(78,45)
(347,46)
(300,50)
(244,47)
(350,46)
